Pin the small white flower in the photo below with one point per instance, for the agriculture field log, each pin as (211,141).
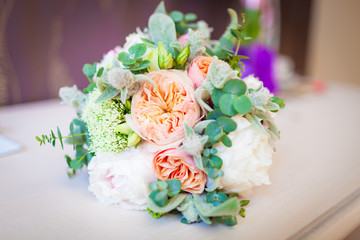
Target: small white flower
(246,162)
(134,38)
(122,178)
(109,58)
(73,97)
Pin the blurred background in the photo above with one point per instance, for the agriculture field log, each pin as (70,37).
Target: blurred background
(44,44)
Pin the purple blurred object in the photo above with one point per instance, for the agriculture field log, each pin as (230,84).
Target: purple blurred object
(261,63)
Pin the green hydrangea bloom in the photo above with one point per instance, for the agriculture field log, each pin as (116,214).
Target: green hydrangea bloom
(102,119)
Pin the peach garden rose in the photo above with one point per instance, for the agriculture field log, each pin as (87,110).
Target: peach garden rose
(198,69)
(171,163)
(159,114)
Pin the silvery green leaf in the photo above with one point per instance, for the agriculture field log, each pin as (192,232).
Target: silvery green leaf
(142,77)
(123,95)
(188,130)
(162,29)
(272,106)
(228,208)
(172,204)
(272,126)
(198,162)
(188,210)
(107,94)
(160,8)
(199,93)
(199,127)
(178,45)
(255,121)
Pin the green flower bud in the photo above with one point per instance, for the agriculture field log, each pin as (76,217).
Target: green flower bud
(183,57)
(133,139)
(128,104)
(154,60)
(165,59)
(124,129)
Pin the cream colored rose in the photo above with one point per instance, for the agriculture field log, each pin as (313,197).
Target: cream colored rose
(246,162)
(122,178)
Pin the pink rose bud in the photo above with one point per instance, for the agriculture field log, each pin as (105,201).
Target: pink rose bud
(183,39)
(198,69)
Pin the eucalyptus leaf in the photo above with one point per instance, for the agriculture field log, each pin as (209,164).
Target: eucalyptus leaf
(126,59)
(226,104)
(174,187)
(215,96)
(138,50)
(226,123)
(142,65)
(235,86)
(89,70)
(242,104)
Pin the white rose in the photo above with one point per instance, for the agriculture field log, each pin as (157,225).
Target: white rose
(122,178)
(246,162)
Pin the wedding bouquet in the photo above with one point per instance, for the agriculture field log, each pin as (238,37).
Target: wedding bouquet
(167,124)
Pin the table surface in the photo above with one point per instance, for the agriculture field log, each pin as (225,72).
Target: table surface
(315,191)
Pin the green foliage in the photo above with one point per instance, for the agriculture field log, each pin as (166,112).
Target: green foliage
(162,29)
(231,99)
(155,214)
(89,71)
(109,93)
(78,138)
(132,59)
(162,190)
(278,101)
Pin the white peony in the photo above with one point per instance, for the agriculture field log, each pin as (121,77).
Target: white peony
(122,178)
(246,162)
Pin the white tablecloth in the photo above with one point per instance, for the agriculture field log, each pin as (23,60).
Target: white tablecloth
(314,192)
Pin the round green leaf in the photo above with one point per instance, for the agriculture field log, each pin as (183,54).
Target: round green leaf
(214,131)
(89,70)
(235,87)
(242,104)
(222,197)
(126,59)
(214,114)
(142,65)
(138,50)
(226,141)
(215,96)
(226,123)
(213,173)
(216,161)
(226,104)
(75,164)
(177,16)
(211,197)
(190,17)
